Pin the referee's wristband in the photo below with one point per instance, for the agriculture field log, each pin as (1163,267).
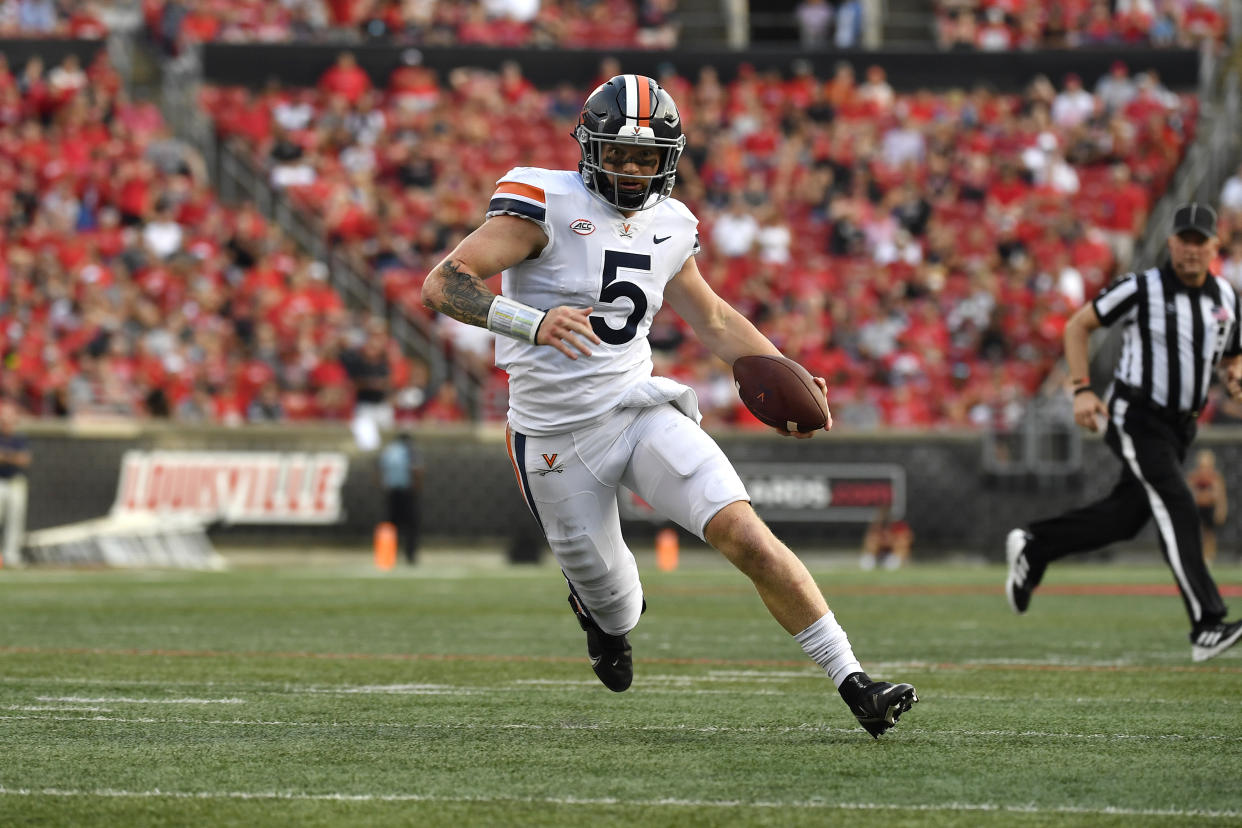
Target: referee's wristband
(513,319)
(1082,389)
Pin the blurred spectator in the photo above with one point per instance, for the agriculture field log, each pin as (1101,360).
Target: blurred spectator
(735,230)
(1073,105)
(266,407)
(162,235)
(443,407)
(401,476)
(994,35)
(290,166)
(197,406)
(99,390)
(15,457)
(37,16)
(1048,166)
(903,142)
(369,371)
(849,24)
(1115,90)
(1231,193)
(1124,213)
(814,23)
(1203,22)
(886,542)
(658,25)
(875,91)
(773,237)
(345,78)
(172,156)
(1207,485)
(1231,262)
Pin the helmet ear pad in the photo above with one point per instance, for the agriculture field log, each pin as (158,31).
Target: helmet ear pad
(631,110)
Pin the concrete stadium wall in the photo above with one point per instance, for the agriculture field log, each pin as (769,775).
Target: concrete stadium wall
(302,64)
(52,50)
(951,502)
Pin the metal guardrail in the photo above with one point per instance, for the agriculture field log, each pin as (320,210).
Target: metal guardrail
(238,177)
(1210,159)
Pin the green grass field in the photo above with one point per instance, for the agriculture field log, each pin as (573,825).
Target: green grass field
(459,695)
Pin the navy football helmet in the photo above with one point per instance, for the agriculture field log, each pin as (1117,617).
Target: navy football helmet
(630,110)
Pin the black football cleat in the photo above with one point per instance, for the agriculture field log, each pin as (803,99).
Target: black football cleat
(611,655)
(1024,573)
(876,704)
(1213,640)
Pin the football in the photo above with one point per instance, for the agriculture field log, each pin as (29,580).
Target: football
(780,392)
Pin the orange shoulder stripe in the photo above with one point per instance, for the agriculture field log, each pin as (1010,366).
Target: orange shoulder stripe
(525,190)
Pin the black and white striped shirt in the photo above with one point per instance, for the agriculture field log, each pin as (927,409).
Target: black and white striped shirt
(1173,335)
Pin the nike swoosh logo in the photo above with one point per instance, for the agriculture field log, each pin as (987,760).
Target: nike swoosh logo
(659,240)
(595,661)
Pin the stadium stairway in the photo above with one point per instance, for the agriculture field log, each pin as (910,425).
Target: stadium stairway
(908,23)
(703,22)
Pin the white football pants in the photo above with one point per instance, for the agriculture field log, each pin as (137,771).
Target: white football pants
(570,482)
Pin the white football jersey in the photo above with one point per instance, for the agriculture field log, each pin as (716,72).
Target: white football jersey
(596,258)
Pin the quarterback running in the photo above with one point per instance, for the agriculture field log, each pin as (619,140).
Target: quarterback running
(588,258)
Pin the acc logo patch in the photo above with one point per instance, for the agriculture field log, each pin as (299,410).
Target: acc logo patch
(583,227)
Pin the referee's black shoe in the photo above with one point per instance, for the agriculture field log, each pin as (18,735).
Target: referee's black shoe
(1024,573)
(876,704)
(1212,640)
(611,655)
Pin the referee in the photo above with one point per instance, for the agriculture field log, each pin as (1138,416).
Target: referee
(1179,323)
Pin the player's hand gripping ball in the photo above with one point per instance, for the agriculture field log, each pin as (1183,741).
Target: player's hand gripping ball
(780,393)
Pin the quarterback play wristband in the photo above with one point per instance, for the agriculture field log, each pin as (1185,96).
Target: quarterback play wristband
(514,319)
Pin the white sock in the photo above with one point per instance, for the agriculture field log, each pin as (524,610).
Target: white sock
(827,645)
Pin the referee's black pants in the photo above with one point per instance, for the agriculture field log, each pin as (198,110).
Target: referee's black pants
(1152,448)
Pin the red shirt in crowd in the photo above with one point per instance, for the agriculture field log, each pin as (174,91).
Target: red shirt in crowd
(345,78)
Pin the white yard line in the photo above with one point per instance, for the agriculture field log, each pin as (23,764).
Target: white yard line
(680,685)
(725,804)
(33,708)
(125,700)
(913,730)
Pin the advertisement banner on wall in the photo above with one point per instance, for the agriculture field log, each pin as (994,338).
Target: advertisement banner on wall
(808,492)
(233,486)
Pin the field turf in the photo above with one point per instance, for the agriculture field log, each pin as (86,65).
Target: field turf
(454,694)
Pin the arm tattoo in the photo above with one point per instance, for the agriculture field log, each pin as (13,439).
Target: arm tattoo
(466,298)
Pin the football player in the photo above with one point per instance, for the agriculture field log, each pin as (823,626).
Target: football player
(588,258)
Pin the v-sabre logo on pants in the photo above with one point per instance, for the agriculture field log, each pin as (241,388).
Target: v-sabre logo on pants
(552,465)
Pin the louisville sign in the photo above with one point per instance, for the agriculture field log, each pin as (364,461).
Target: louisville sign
(233,486)
(809,492)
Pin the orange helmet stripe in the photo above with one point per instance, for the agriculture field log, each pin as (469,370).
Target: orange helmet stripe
(644,98)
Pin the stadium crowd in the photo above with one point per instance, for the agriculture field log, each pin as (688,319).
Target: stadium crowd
(922,251)
(127,289)
(1001,25)
(995,25)
(538,23)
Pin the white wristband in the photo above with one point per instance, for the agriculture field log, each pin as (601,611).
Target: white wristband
(514,319)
